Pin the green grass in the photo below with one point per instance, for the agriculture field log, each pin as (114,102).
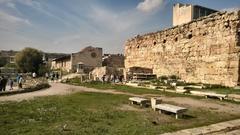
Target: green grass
(124,88)
(94,114)
(224,90)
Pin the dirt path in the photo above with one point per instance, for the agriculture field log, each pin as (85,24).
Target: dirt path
(63,89)
(56,89)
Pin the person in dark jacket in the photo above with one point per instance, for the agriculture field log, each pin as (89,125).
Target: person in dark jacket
(4,83)
(0,84)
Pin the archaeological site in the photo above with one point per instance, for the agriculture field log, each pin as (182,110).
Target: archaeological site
(204,50)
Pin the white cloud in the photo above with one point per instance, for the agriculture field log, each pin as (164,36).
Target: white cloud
(4,1)
(10,22)
(116,22)
(231,9)
(11,5)
(150,5)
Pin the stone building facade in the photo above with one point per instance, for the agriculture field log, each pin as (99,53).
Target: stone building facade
(8,55)
(205,50)
(83,61)
(184,13)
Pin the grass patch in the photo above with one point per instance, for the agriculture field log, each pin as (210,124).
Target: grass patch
(95,114)
(223,90)
(124,88)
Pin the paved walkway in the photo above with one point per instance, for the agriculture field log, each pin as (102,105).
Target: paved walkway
(223,128)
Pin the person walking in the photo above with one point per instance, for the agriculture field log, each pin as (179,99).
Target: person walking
(20,82)
(11,84)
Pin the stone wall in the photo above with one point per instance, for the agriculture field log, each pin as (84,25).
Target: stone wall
(113,60)
(99,72)
(205,50)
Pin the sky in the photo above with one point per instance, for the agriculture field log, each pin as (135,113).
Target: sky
(67,26)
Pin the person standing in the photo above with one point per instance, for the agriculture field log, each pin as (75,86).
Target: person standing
(46,75)
(103,78)
(57,76)
(34,75)
(4,83)
(0,83)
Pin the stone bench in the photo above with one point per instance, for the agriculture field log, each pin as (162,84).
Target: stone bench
(171,108)
(139,100)
(215,95)
(180,89)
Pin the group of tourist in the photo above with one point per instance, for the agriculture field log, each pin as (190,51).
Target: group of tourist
(3,83)
(112,78)
(52,76)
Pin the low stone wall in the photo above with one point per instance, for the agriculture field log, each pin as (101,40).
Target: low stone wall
(32,88)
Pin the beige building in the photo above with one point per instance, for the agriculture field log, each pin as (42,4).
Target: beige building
(82,62)
(184,13)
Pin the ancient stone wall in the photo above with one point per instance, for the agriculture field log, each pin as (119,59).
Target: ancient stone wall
(99,72)
(205,50)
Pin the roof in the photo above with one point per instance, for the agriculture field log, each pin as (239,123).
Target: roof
(63,58)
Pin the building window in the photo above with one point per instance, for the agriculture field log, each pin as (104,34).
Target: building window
(176,39)
(164,41)
(94,55)
(189,36)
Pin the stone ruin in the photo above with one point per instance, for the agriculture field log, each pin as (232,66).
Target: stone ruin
(205,50)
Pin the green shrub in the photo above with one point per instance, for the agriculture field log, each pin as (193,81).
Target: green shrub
(173,77)
(214,86)
(163,78)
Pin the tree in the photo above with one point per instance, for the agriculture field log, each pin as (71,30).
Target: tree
(29,60)
(43,69)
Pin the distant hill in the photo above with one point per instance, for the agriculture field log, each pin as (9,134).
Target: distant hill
(11,53)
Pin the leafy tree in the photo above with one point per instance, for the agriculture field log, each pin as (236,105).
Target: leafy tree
(43,69)
(3,61)
(29,60)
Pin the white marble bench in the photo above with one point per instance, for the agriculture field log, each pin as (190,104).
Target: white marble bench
(139,100)
(171,108)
